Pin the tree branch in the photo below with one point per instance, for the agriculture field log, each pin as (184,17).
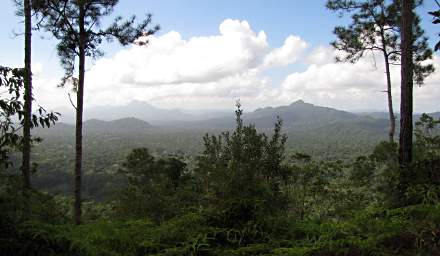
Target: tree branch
(71,102)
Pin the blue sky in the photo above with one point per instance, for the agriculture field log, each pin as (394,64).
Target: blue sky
(308,19)
(278,18)
(191,18)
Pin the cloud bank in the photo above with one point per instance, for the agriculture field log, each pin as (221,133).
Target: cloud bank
(238,63)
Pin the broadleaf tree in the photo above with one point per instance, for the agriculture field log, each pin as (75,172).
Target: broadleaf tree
(241,174)
(12,112)
(76,24)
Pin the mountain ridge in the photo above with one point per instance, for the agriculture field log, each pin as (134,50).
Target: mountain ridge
(296,114)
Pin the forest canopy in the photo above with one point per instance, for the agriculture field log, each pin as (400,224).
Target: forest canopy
(287,180)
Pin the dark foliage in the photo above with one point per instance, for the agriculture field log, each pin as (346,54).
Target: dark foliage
(12,113)
(436,20)
(241,174)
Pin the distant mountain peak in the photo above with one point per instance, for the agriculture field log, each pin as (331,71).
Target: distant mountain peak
(139,103)
(130,119)
(263,109)
(118,125)
(297,113)
(300,102)
(94,120)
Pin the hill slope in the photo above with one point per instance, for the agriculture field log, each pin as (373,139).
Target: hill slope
(324,133)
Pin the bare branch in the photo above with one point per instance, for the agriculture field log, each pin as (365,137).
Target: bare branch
(71,102)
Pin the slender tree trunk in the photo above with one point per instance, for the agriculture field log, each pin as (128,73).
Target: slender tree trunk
(79,117)
(406,104)
(26,151)
(392,117)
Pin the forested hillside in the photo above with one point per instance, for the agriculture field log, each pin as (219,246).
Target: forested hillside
(125,177)
(323,133)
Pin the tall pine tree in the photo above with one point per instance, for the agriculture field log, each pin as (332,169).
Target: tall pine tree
(26,159)
(375,27)
(24,9)
(77,26)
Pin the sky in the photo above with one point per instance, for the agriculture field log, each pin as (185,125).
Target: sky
(209,54)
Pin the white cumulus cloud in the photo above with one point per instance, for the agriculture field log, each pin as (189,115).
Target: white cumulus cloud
(227,65)
(355,86)
(213,71)
(287,54)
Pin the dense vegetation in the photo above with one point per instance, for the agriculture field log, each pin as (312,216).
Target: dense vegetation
(243,195)
(323,133)
(243,191)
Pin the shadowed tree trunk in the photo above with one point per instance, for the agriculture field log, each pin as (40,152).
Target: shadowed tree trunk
(392,117)
(79,117)
(26,150)
(406,104)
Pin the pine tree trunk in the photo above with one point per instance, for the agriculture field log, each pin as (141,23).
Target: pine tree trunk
(392,117)
(26,150)
(406,104)
(79,117)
